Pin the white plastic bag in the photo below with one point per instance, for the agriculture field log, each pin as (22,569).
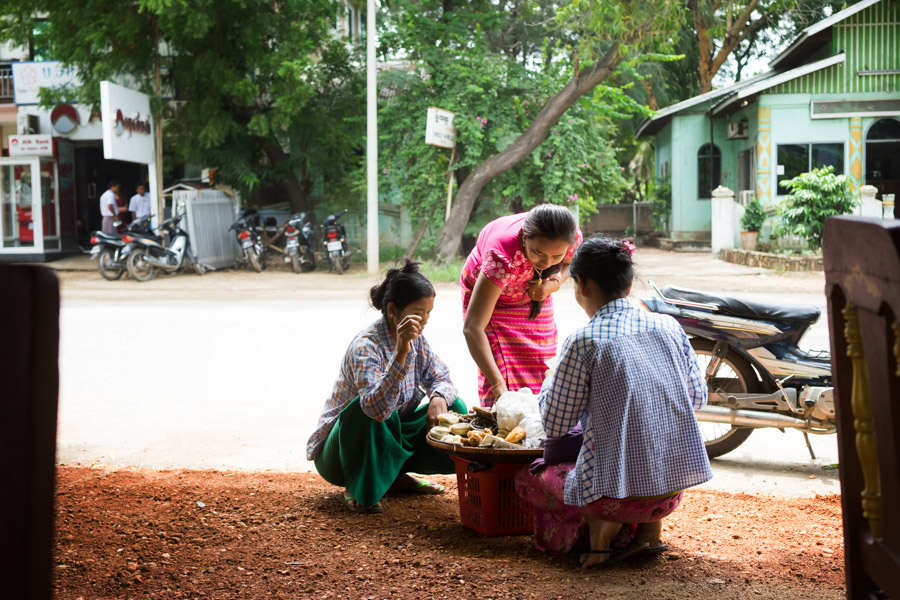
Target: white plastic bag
(534,431)
(512,407)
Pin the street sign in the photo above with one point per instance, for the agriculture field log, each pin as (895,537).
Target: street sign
(439,130)
(30,145)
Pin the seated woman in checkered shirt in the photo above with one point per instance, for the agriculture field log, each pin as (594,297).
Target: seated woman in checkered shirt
(630,380)
(371,434)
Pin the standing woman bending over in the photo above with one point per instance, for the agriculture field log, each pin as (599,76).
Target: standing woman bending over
(517,263)
(371,433)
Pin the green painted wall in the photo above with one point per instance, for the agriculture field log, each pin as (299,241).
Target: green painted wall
(871,41)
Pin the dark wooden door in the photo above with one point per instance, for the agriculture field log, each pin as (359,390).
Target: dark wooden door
(862,274)
(29,386)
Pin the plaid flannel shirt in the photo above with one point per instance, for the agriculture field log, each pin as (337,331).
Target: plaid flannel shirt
(382,384)
(631,378)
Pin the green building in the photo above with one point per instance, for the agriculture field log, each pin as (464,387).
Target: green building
(831,98)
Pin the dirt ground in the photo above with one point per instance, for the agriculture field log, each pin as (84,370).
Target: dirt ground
(222,535)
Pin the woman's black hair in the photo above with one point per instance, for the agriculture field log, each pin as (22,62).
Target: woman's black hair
(549,221)
(401,286)
(606,262)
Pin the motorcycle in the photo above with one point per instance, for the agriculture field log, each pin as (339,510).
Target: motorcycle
(336,246)
(151,255)
(756,373)
(111,249)
(300,247)
(247,230)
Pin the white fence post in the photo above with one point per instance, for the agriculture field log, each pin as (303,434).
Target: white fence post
(725,217)
(869,206)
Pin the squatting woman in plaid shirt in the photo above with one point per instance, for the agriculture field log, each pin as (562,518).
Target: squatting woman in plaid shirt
(371,432)
(630,379)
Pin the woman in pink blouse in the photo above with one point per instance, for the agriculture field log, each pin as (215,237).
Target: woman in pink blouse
(507,282)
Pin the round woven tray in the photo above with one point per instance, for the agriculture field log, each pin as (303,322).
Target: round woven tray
(495,455)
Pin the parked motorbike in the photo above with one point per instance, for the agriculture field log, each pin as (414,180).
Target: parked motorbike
(756,372)
(301,242)
(247,230)
(111,249)
(151,255)
(336,246)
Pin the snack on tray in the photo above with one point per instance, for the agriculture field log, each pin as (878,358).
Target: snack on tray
(447,419)
(437,433)
(460,428)
(516,435)
(451,439)
(492,441)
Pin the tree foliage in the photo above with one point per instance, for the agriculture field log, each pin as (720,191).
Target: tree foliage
(253,79)
(816,196)
(525,78)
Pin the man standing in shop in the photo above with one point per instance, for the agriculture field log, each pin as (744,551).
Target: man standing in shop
(140,203)
(108,207)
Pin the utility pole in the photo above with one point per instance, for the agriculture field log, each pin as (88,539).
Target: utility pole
(371,141)
(157,129)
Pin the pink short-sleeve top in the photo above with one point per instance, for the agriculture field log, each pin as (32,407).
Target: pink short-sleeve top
(499,254)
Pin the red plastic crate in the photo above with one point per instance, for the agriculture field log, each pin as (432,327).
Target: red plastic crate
(488,502)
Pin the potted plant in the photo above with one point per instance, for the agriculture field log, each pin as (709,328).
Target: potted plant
(752,222)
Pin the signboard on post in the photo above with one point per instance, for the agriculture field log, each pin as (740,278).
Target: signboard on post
(128,133)
(30,77)
(439,130)
(30,145)
(127,126)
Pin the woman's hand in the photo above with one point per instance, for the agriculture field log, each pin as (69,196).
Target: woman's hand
(540,292)
(437,406)
(499,389)
(408,329)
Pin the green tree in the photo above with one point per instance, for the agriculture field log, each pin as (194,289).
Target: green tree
(816,196)
(524,99)
(253,74)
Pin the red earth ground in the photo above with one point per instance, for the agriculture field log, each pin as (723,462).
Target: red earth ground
(222,535)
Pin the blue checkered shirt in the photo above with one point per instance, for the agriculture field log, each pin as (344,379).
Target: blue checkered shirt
(631,378)
(382,384)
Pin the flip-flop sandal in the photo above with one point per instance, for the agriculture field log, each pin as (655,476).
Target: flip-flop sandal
(615,556)
(655,550)
(425,487)
(351,503)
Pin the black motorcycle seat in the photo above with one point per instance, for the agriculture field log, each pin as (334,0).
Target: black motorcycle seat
(738,307)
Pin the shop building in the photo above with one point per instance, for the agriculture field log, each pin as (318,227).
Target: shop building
(831,98)
(53,170)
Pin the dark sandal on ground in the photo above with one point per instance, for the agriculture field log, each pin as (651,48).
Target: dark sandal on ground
(615,556)
(351,503)
(654,550)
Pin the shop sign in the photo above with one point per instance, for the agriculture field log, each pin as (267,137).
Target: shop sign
(30,77)
(127,127)
(30,145)
(64,118)
(439,130)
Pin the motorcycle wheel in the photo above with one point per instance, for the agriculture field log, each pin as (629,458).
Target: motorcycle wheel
(253,257)
(104,265)
(309,265)
(139,268)
(734,374)
(337,264)
(295,263)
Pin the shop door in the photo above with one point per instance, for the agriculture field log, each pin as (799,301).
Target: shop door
(883,159)
(16,206)
(93,174)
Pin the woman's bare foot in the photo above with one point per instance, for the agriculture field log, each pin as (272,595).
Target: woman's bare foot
(415,485)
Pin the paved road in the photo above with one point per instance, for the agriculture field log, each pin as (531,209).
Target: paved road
(229,371)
